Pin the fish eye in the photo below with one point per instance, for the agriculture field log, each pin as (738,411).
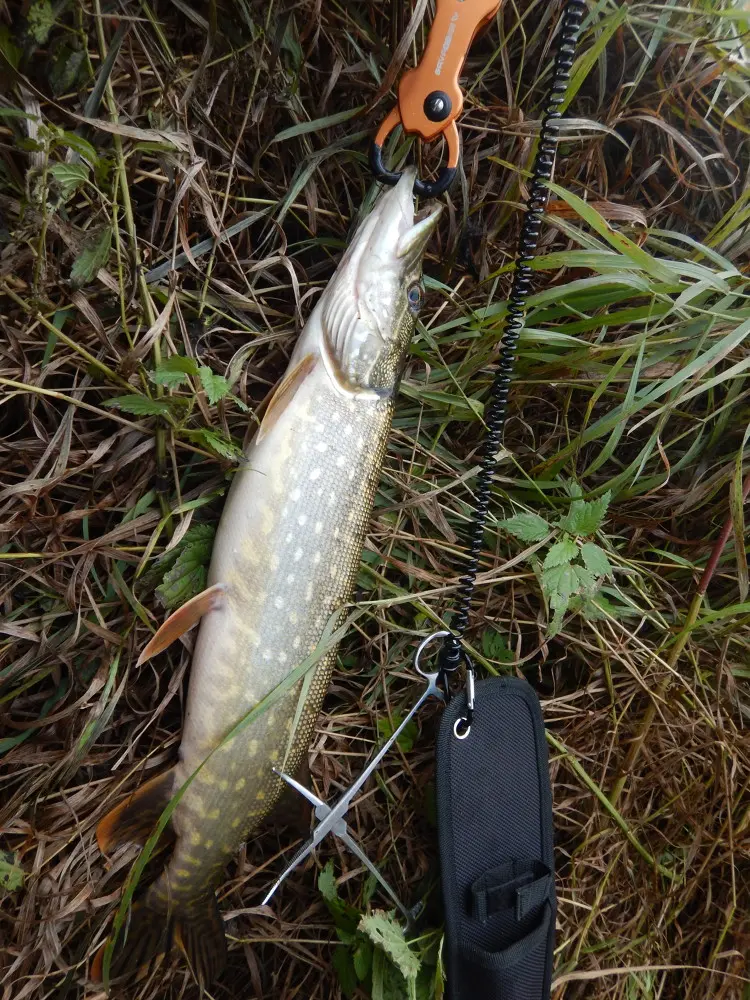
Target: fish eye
(415,296)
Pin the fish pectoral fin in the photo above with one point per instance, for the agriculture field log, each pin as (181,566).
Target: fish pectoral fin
(148,934)
(199,934)
(284,394)
(182,620)
(134,819)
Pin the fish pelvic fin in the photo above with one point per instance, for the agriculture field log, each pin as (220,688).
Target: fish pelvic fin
(134,819)
(182,620)
(147,934)
(198,932)
(284,394)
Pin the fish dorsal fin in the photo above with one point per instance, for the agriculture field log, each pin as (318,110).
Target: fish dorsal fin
(182,620)
(284,394)
(134,819)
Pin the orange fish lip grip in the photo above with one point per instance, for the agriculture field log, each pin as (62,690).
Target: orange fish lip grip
(429,96)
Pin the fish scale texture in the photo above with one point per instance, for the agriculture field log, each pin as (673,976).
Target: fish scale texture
(298,513)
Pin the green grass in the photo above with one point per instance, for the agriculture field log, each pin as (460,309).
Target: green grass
(240,130)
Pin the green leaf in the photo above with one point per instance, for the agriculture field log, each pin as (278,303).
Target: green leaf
(140,405)
(79,145)
(596,559)
(187,576)
(217,442)
(174,371)
(527,527)
(363,960)
(318,125)
(407,737)
(11,873)
(585,580)
(214,386)
(40,19)
(344,966)
(387,934)
(64,69)
(560,553)
(327,883)
(495,646)
(69,176)
(91,259)
(11,51)
(585,517)
(559,582)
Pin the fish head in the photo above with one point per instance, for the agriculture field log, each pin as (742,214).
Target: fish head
(369,308)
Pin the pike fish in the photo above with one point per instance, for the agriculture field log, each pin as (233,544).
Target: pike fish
(285,560)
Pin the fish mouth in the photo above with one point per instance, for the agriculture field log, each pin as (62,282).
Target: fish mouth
(398,230)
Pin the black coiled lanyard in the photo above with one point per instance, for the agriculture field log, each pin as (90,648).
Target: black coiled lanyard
(452,653)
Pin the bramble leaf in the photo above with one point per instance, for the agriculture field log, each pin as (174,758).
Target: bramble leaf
(70,176)
(217,442)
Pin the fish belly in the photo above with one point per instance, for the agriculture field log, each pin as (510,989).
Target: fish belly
(287,549)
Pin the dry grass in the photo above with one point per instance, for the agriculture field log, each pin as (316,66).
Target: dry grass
(211,102)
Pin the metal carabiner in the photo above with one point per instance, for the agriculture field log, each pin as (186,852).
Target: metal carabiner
(429,97)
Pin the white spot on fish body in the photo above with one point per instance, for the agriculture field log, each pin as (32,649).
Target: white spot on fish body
(315,474)
(289,537)
(283,657)
(302,520)
(297,642)
(319,427)
(318,527)
(278,601)
(309,592)
(341,461)
(297,554)
(321,446)
(348,430)
(290,578)
(316,558)
(295,494)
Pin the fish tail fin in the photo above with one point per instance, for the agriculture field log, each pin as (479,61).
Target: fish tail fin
(147,933)
(199,934)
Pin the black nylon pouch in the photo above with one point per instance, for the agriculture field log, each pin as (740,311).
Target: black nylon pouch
(495,835)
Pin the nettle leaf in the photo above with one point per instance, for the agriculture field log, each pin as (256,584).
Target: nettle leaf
(91,259)
(215,387)
(187,575)
(560,553)
(527,527)
(140,405)
(11,873)
(386,933)
(69,176)
(595,559)
(174,371)
(585,517)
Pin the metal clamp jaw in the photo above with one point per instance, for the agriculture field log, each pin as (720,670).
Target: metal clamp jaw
(429,97)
